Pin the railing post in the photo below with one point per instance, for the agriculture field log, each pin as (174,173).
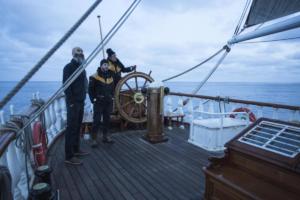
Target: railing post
(211,107)
(180,110)
(58,110)
(63,106)
(2,122)
(190,110)
(53,120)
(11,108)
(180,106)
(169,111)
(259,112)
(275,113)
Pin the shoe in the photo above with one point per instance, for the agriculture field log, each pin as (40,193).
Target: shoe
(73,161)
(81,153)
(107,140)
(94,144)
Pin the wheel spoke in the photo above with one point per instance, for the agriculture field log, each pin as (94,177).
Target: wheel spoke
(126,104)
(140,110)
(144,104)
(136,84)
(129,87)
(126,95)
(146,80)
(131,111)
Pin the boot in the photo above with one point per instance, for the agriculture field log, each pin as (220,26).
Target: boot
(94,144)
(106,138)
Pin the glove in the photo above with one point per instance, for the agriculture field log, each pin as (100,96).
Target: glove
(133,67)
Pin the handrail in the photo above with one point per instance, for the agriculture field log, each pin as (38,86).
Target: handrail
(225,113)
(273,105)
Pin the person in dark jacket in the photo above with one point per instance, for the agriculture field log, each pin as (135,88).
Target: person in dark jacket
(101,91)
(116,66)
(75,97)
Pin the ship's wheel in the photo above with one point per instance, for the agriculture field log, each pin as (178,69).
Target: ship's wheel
(130,102)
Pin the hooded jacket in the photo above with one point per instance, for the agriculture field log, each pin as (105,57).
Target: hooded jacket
(101,86)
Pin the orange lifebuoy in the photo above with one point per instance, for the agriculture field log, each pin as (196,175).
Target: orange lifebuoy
(39,146)
(252,117)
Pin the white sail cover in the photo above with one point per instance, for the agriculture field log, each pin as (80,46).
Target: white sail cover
(266,10)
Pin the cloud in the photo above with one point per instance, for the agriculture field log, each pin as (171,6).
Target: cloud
(166,37)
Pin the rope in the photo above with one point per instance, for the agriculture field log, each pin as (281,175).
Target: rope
(80,69)
(213,70)
(180,74)
(227,48)
(26,78)
(242,17)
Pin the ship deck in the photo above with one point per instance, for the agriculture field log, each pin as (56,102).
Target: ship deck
(132,168)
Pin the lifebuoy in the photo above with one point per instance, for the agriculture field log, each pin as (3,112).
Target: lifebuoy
(252,117)
(39,146)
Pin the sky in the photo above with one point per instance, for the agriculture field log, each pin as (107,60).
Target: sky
(166,37)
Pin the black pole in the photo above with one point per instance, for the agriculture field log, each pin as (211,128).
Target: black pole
(101,36)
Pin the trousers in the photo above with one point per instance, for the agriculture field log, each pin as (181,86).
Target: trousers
(102,109)
(74,120)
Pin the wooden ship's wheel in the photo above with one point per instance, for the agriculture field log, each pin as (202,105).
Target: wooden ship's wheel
(130,102)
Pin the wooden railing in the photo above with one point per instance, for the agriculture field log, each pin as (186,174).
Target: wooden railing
(223,104)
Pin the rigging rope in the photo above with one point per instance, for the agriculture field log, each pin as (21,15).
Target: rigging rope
(186,71)
(26,78)
(80,69)
(242,17)
(227,48)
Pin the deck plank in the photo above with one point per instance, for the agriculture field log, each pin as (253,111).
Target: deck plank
(162,169)
(176,173)
(133,169)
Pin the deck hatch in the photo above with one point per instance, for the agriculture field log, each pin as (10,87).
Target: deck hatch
(275,137)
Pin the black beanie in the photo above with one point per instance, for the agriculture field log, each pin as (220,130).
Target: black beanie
(109,52)
(103,61)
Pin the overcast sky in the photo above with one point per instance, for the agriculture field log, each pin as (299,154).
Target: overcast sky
(165,36)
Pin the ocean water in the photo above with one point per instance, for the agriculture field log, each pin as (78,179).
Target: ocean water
(288,94)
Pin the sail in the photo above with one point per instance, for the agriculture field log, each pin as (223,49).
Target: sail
(266,10)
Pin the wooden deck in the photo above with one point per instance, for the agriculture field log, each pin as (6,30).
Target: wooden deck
(131,168)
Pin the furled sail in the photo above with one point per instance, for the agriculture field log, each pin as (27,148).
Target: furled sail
(266,10)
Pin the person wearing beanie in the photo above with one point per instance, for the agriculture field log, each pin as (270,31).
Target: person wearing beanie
(101,92)
(116,66)
(75,97)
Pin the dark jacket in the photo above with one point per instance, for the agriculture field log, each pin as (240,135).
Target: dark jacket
(101,86)
(76,92)
(117,67)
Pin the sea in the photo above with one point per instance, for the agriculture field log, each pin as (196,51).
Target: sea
(288,94)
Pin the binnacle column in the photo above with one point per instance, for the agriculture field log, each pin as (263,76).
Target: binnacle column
(155,115)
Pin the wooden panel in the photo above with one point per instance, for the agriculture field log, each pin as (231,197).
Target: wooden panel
(247,172)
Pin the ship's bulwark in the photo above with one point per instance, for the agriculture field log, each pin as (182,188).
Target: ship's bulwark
(133,169)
